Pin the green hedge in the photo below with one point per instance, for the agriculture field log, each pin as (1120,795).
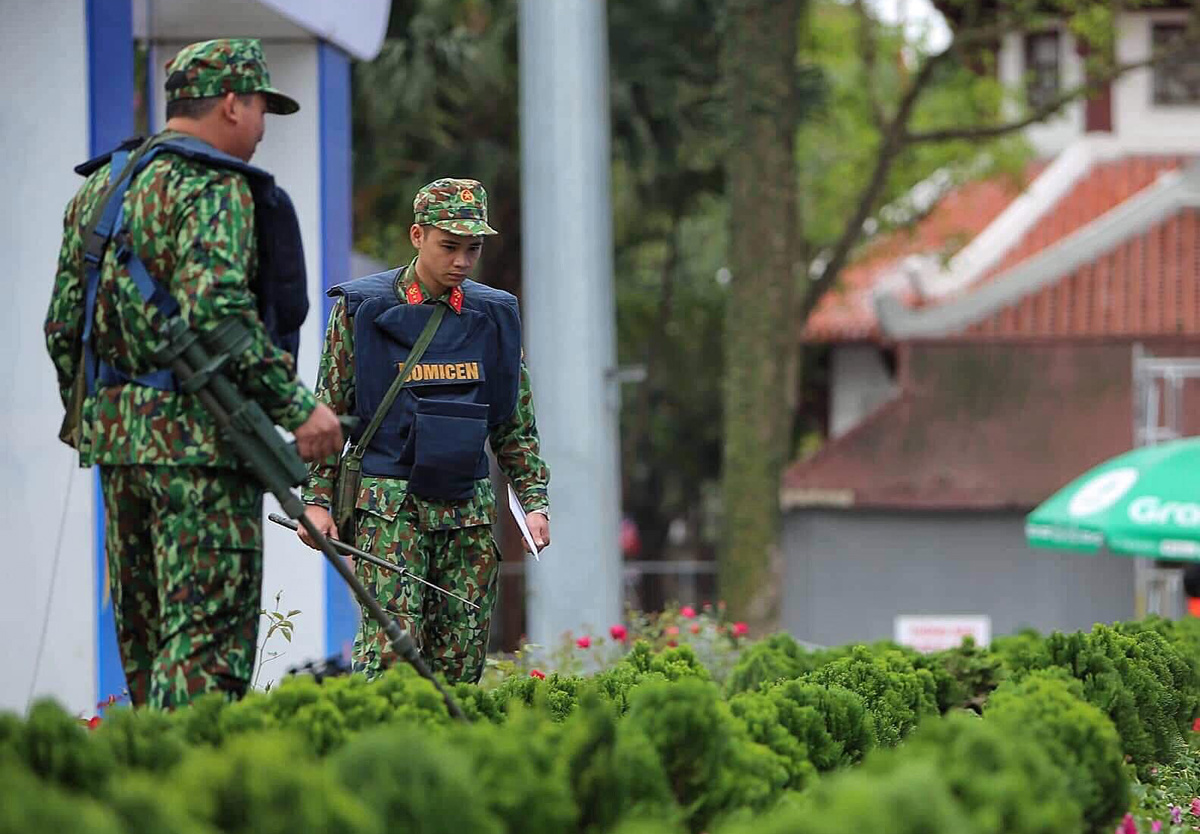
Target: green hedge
(846,739)
(1077,736)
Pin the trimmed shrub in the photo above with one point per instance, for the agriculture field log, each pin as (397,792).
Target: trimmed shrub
(141,804)
(414,782)
(518,771)
(911,800)
(614,777)
(897,695)
(813,728)
(1004,782)
(269,784)
(557,694)
(711,764)
(142,739)
(1142,682)
(29,805)
(970,675)
(54,746)
(778,657)
(1077,736)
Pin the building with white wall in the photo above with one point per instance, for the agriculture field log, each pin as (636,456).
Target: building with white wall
(70,95)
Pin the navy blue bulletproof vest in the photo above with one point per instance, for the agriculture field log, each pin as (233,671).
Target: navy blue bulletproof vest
(281,282)
(465,384)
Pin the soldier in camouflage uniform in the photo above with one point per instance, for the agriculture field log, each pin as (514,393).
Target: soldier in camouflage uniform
(183,524)
(447,542)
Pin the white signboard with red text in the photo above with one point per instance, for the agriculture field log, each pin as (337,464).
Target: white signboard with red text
(927,633)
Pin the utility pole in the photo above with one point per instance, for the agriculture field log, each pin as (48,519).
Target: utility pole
(569,311)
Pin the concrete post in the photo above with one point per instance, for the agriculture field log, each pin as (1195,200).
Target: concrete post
(569,310)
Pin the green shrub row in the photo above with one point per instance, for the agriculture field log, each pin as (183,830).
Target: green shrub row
(1033,735)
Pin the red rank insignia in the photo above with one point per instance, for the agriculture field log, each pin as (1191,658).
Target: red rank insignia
(414,294)
(456,299)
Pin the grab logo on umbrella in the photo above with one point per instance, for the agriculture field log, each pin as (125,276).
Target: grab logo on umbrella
(1102,492)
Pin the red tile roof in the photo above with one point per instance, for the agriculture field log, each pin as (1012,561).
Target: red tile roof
(1148,285)
(1118,293)
(985,425)
(847,312)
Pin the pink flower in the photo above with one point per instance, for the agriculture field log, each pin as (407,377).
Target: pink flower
(1156,827)
(1196,807)
(1196,725)
(740,629)
(618,632)
(583,642)
(1128,826)
(695,629)
(687,612)
(537,673)
(1176,815)
(671,630)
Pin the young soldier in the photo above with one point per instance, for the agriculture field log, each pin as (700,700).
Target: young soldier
(183,528)
(425,500)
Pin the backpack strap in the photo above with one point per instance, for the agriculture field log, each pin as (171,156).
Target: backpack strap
(106,221)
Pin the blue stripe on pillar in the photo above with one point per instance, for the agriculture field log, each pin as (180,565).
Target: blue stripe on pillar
(333,86)
(111,116)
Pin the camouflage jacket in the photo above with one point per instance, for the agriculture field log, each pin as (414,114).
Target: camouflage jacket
(515,443)
(193,228)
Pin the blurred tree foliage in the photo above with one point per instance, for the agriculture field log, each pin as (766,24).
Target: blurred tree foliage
(874,116)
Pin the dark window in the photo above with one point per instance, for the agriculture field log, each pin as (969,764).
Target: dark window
(1041,68)
(1176,80)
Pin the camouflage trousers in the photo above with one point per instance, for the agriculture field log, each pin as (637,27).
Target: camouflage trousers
(452,637)
(184,548)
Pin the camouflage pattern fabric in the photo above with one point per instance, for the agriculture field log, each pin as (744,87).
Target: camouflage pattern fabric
(458,206)
(193,228)
(452,637)
(184,548)
(447,542)
(227,65)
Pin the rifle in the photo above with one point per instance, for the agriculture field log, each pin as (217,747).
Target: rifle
(275,462)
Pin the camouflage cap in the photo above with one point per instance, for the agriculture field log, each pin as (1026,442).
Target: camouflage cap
(458,206)
(228,65)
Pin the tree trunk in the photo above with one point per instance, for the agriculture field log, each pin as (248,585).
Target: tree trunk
(759,68)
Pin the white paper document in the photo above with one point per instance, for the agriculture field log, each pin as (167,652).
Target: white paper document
(518,512)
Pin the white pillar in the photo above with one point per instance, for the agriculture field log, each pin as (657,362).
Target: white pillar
(42,143)
(569,310)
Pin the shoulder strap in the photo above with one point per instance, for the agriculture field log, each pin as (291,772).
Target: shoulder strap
(414,356)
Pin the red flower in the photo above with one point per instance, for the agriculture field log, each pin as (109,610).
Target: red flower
(740,629)
(672,643)
(583,642)
(671,630)
(695,628)
(687,612)
(537,673)
(618,632)
(93,722)
(1196,726)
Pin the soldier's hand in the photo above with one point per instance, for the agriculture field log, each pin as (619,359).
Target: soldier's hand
(322,520)
(320,436)
(539,526)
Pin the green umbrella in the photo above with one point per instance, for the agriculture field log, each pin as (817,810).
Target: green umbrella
(1142,503)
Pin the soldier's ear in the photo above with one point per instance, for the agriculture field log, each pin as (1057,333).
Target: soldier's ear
(416,235)
(229,107)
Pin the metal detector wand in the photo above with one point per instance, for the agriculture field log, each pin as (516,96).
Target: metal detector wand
(350,550)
